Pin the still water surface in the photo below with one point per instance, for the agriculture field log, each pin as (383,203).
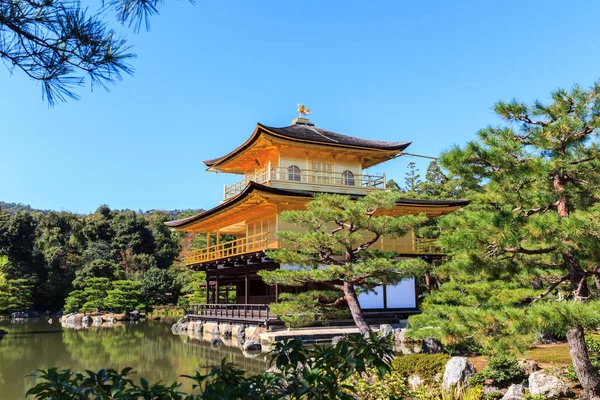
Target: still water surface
(149,347)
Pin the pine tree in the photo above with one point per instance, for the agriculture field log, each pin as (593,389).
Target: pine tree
(531,231)
(334,249)
(412,179)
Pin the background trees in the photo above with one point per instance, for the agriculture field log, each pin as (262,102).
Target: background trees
(524,255)
(52,253)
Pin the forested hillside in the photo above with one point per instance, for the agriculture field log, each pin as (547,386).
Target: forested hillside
(44,255)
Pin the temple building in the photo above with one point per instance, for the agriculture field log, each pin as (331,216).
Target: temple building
(281,169)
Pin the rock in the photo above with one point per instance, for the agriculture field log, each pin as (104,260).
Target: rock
(238,331)
(180,327)
(400,335)
(528,367)
(19,315)
(336,339)
(2,333)
(457,373)
(133,315)
(212,328)
(87,320)
(216,341)
(252,345)
(415,381)
(514,392)
(252,332)
(386,331)
(98,320)
(549,386)
(545,338)
(431,346)
(225,330)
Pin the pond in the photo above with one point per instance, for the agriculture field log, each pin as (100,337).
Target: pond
(149,347)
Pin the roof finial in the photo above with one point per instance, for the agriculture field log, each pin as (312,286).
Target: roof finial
(302,111)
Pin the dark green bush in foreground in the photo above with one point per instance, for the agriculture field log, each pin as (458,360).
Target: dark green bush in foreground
(300,373)
(503,369)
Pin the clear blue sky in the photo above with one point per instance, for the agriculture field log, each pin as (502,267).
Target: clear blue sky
(426,72)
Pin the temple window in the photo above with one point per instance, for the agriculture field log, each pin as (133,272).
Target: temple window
(294,173)
(348,178)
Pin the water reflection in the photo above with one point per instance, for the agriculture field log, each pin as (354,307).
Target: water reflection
(148,346)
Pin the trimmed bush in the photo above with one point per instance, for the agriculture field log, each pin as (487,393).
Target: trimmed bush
(502,369)
(426,366)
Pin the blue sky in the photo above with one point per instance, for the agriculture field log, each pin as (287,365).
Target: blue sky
(427,72)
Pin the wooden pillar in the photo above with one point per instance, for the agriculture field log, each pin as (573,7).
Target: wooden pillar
(246,286)
(384,296)
(217,287)
(207,240)
(207,288)
(277,293)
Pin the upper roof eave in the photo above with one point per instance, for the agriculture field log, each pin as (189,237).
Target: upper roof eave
(310,134)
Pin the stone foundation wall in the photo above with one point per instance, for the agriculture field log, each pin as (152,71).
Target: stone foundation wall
(237,335)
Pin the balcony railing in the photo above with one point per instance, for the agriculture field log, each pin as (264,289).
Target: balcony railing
(308,176)
(248,244)
(265,241)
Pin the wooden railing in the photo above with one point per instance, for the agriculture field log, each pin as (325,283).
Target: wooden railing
(261,175)
(231,311)
(340,179)
(248,244)
(266,240)
(427,246)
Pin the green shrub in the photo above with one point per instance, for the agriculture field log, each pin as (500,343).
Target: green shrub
(426,366)
(318,373)
(369,386)
(502,369)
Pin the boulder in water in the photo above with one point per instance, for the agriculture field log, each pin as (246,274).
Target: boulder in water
(252,345)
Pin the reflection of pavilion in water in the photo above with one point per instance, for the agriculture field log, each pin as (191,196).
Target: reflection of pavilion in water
(251,362)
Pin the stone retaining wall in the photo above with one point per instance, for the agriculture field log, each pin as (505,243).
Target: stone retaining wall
(238,335)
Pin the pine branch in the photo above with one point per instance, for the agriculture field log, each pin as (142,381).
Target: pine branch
(521,250)
(550,289)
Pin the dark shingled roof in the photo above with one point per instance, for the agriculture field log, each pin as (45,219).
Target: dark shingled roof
(253,186)
(311,133)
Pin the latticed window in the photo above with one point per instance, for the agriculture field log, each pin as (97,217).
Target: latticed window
(348,178)
(294,173)
(321,172)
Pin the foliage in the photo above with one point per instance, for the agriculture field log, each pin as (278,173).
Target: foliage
(334,249)
(502,369)
(160,286)
(302,373)
(426,366)
(124,295)
(59,43)
(15,294)
(527,246)
(304,309)
(53,253)
(370,386)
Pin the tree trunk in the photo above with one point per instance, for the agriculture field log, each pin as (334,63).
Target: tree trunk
(588,377)
(577,276)
(354,306)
